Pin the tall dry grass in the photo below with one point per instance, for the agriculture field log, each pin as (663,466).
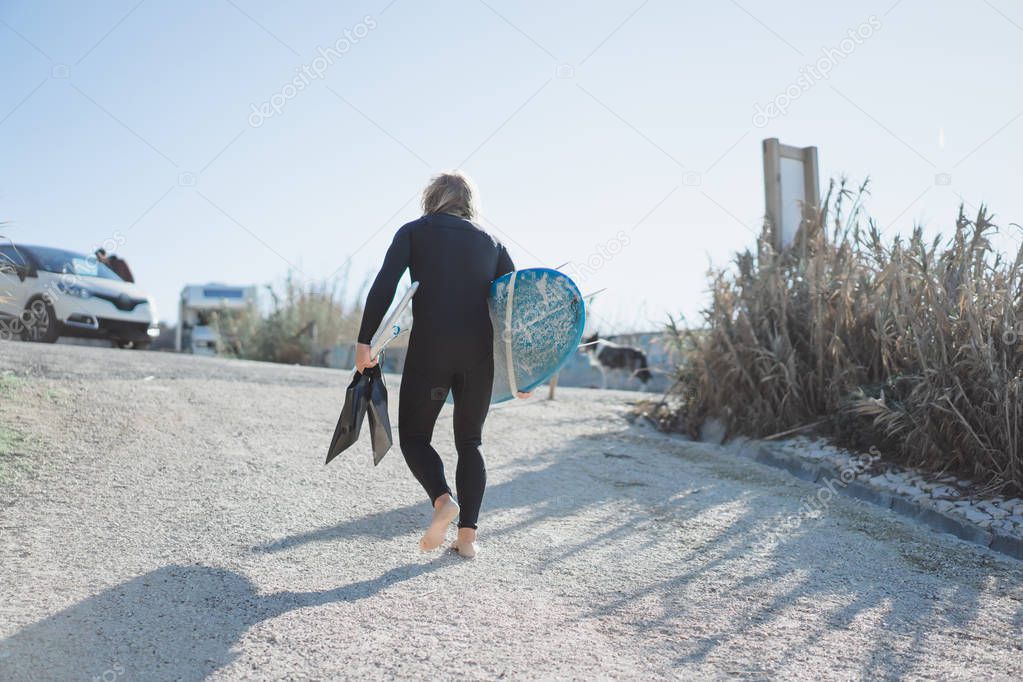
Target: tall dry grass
(303,321)
(911,346)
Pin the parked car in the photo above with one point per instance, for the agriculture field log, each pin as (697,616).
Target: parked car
(46,293)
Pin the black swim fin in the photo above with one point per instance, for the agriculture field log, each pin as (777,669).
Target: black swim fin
(379,421)
(352,414)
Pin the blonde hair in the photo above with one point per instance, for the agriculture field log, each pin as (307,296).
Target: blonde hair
(451,192)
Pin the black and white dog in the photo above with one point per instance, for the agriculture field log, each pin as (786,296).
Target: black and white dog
(605,355)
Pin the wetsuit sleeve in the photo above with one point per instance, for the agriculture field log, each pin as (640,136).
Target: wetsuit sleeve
(504,262)
(382,292)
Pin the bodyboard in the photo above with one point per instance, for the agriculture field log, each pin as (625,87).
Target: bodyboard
(538,317)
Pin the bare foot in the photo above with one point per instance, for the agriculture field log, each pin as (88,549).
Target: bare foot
(444,512)
(465,544)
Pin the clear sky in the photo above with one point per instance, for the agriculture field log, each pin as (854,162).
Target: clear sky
(134,121)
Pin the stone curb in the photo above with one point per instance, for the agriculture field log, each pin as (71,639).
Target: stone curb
(811,471)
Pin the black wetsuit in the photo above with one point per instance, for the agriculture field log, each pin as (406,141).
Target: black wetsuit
(451,346)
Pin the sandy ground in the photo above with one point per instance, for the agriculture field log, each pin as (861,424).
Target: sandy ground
(171,518)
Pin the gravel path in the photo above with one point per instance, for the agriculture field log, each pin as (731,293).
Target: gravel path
(170,518)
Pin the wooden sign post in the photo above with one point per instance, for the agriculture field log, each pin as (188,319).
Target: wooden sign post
(791,189)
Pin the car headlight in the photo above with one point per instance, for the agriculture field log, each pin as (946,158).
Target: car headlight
(74,290)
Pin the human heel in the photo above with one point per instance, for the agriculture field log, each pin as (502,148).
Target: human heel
(442,518)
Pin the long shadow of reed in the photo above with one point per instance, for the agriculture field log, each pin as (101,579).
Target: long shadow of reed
(912,596)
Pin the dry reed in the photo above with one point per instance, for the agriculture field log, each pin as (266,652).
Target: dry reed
(305,319)
(911,346)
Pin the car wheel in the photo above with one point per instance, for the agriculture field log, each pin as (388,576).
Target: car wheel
(39,322)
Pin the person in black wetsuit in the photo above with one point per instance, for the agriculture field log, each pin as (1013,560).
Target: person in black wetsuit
(450,348)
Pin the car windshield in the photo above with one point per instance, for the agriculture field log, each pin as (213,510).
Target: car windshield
(61,262)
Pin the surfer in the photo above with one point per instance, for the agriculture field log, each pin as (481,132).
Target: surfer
(450,348)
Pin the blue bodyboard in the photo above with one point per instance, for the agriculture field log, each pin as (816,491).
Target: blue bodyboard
(538,317)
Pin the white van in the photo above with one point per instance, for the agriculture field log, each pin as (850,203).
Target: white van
(46,293)
(207,311)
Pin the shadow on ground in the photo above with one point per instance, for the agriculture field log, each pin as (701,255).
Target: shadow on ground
(915,592)
(183,621)
(177,622)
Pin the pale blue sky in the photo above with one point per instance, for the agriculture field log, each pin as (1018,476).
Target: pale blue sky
(108,113)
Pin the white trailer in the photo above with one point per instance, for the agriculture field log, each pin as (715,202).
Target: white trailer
(201,306)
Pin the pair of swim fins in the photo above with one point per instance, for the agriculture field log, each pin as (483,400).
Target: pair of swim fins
(366,395)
